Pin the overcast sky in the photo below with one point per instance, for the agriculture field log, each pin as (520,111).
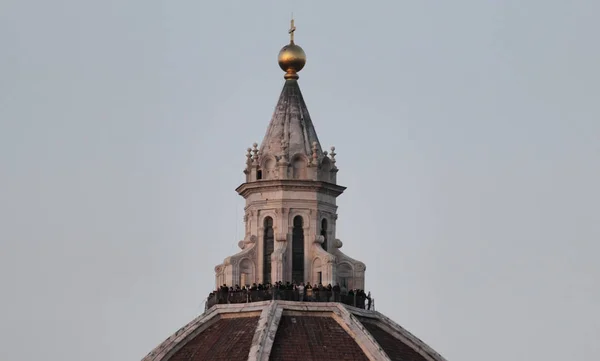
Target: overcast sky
(467,133)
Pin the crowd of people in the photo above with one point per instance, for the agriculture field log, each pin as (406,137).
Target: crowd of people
(290,291)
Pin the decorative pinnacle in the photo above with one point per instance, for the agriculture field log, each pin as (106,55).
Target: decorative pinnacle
(333,154)
(255,152)
(249,156)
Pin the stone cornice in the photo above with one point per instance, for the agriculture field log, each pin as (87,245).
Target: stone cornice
(289,185)
(280,203)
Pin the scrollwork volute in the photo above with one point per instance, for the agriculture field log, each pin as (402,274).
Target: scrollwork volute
(252,252)
(246,242)
(330,259)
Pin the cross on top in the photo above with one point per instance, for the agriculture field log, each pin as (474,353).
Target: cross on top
(291,31)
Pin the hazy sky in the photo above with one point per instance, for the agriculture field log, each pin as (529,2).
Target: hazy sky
(468,135)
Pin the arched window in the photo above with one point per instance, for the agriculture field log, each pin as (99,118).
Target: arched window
(324,232)
(298,250)
(268,247)
(344,274)
(246,272)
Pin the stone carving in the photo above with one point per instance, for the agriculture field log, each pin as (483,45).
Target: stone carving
(320,239)
(255,154)
(315,155)
(243,244)
(333,154)
(249,158)
(358,278)
(228,272)
(330,259)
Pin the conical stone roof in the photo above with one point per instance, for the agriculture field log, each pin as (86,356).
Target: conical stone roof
(291,130)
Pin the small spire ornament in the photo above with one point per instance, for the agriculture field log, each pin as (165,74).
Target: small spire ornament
(249,156)
(255,153)
(333,154)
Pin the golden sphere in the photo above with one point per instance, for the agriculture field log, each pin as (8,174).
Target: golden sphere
(291,60)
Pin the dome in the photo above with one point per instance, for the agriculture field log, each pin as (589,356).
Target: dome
(258,325)
(288,330)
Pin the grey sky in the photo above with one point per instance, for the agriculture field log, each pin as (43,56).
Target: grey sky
(467,133)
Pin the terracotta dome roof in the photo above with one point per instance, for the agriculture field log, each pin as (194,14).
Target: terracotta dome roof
(287,330)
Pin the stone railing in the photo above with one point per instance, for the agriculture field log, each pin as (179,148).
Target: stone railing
(245,296)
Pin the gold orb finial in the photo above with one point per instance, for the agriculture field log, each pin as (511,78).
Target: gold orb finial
(291,57)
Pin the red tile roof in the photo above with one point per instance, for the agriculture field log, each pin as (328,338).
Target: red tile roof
(291,331)
(393,347)
(312,338)
(228,339)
